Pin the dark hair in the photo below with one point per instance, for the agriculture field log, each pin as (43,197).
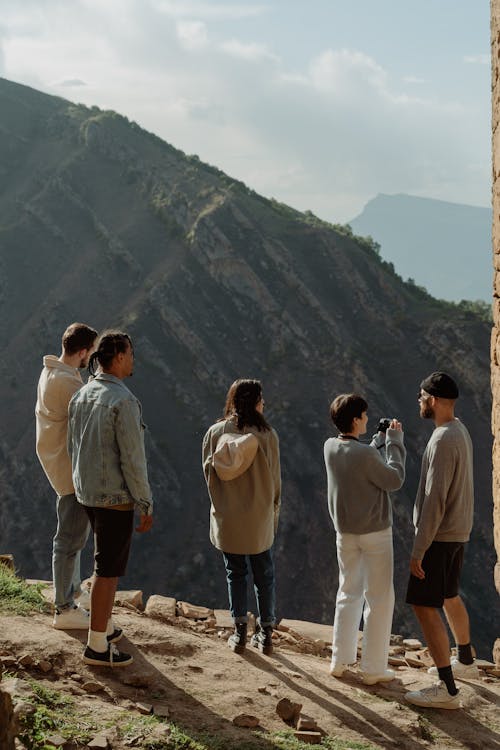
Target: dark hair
(110,344)
(345,408)
(241,400)
(78,336)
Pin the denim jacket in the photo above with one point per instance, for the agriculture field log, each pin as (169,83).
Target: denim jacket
(106,445)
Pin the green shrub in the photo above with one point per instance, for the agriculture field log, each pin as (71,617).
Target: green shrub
(18,597)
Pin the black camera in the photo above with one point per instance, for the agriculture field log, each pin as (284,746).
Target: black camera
(384,424)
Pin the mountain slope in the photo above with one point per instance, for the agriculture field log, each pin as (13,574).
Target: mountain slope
(445,247)
(103,222)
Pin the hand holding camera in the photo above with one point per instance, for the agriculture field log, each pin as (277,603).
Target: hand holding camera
(386,423)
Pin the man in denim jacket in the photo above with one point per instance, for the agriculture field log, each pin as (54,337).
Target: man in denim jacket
(106,446)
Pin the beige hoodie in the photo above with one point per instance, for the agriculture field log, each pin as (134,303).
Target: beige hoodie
(58,382)
(244,511)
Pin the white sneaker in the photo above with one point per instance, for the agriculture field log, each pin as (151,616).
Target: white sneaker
(436,696)
(460,671)
(74,618)
(372,679)
(83,600)
(338,670)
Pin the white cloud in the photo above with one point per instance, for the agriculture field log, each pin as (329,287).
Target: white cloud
(325,134)
(220,11)
(70,83)
(342,71)
(478,59)
(192,34)
(249,51)
(413,80)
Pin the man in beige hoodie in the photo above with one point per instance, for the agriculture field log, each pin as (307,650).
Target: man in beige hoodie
(59,380)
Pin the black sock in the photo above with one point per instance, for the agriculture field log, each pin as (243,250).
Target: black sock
(446,675)
(465,654)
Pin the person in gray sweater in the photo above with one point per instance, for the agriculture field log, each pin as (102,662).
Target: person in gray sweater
(359,482)
(443,515)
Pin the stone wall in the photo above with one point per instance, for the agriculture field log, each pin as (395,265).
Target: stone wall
(495,340)
(7,722)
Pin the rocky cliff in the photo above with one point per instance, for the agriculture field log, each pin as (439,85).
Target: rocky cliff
(103,222)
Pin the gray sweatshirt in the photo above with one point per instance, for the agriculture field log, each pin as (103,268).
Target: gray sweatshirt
(359,481)
(444,504)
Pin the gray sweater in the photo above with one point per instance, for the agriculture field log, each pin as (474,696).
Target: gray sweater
(445,497)
(359,481)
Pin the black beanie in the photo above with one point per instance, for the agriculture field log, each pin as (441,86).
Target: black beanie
(441,385)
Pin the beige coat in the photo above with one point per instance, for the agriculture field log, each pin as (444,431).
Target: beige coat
(58,382)
(244,511)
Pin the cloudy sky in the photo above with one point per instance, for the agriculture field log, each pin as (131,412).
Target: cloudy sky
(320,104)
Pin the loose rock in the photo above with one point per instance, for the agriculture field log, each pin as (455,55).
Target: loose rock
(161,710)
(23,708)
(91,686)
(100,742)
(8,661)
(396,661)
(144,708)
(26,660)
(132,598)
(288,710)
(306,723)
(246,720)
(56,740)
(161,607)
(194,612)
(412,644)
(223,618)
(496,652)
(413,661)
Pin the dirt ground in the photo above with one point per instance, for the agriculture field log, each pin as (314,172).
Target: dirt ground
(205,685)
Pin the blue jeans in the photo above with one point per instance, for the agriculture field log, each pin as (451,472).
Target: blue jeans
(72,532)
(263,579)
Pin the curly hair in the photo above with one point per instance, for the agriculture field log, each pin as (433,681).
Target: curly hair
(241,402)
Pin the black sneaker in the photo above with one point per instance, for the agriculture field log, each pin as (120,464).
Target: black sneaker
(115,636)
(263,640)
(238,640)
(110,658)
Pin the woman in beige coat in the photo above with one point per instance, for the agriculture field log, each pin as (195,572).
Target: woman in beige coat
(245,506)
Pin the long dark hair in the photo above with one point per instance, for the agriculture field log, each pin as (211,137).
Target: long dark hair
(241,401)
(109,345)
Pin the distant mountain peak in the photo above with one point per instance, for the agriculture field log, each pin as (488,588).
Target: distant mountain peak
(443,246)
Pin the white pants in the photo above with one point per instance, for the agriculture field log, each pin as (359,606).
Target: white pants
(365,578)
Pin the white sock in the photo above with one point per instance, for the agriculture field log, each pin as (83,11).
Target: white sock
(110,628)
(97,641)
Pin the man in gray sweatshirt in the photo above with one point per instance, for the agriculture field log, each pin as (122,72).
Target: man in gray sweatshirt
(442,515)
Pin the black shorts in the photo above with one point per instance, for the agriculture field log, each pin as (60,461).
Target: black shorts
(442,564)
(112,538)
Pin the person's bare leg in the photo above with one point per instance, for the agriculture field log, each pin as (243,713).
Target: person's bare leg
(458,619)
(435,634)
(101,602)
